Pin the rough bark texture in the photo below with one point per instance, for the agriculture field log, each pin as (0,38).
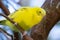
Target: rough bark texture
(41,31)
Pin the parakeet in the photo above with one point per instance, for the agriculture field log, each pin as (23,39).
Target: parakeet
(26,17)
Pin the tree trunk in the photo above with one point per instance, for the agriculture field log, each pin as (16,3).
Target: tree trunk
(41,31)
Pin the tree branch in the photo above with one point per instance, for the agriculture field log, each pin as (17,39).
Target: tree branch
(5,10)
(53,15)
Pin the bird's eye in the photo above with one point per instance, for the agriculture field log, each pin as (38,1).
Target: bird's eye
(38,12)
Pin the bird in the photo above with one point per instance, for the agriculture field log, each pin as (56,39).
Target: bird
(26,17)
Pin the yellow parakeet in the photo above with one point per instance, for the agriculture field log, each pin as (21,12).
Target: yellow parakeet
(26,17)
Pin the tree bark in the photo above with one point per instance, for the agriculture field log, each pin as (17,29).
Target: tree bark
(41,31)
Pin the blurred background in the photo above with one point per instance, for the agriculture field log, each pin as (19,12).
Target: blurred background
(14,5)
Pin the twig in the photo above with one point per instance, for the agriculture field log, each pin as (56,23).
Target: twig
(5,33)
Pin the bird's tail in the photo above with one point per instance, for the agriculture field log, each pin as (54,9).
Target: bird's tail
(7,23)
(2,22)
